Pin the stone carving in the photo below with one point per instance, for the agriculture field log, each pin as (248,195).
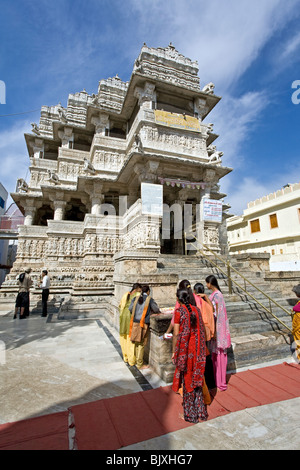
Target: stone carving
(66,136)
(62,115)
(209,88)
(70,171)
(172,139)
(137,145)
(100,122)
(22,186)
(111,93)
(94,99)
(35,128)
(157,64)
(211,236)
(88,166)
(111,161)
(52,177)
(146,95)
(214,155)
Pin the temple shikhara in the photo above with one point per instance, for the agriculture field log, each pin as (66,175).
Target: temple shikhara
(113,175)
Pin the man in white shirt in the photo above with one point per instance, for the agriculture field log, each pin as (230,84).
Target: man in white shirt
(45,293)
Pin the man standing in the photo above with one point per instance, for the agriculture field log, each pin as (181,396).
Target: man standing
(45,291)
(22,301)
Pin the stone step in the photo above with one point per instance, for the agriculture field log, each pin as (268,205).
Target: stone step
(256,348)
(237,305)
(247,350)
(256,335)
(255,326)
(248,316)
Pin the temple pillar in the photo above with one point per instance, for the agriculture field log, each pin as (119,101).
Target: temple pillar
(29,215)
(67,137)
(59,209)
(101,123)
(96,197)
(146,95)
(96,202)
(38,148)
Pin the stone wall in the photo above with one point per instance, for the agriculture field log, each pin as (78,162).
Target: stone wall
(284,282)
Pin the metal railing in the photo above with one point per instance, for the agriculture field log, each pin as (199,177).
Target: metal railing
(229,268)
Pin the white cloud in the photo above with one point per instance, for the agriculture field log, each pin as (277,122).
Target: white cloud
(291,46)
(250,188)
(234,120)
(225,37)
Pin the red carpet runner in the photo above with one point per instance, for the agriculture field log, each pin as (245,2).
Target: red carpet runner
(113,423)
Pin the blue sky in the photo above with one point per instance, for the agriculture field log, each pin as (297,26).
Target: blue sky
(249,50)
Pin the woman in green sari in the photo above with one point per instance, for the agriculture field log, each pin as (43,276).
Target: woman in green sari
(125,316)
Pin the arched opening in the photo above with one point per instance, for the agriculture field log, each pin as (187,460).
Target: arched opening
(43,214)
(75,211)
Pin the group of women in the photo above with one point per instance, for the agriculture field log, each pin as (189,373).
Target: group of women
(200,329)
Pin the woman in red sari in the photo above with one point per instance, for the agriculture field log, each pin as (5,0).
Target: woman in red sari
(296,323)
(189,356)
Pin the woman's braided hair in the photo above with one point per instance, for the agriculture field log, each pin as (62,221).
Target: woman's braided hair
(184,298)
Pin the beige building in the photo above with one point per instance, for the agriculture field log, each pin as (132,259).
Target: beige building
(271,225)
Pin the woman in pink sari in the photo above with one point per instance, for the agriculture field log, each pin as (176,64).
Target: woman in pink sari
(296,323)
(221,340)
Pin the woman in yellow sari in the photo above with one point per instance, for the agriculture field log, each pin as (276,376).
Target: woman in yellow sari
(296,322)
(125,317)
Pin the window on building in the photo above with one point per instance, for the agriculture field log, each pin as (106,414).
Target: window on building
(273,221)
(273,251)
(255,226)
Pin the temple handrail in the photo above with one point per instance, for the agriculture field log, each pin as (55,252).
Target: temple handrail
(230,279)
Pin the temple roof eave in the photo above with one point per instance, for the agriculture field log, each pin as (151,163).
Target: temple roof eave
(138,79)
(30,141)
(60,125)
(130,100)
(126,171)
(23,199)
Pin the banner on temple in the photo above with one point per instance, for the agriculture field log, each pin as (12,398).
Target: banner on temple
(211,210)
(180,121)
(152,199)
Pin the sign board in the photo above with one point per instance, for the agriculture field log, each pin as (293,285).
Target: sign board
(152,199)
(179,121)
(211,210)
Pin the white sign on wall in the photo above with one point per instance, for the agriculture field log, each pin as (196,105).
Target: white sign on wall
(152,199)
(211,210)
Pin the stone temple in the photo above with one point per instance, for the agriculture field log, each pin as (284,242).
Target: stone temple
(97,164)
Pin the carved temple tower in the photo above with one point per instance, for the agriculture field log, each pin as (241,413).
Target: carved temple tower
(84,217)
